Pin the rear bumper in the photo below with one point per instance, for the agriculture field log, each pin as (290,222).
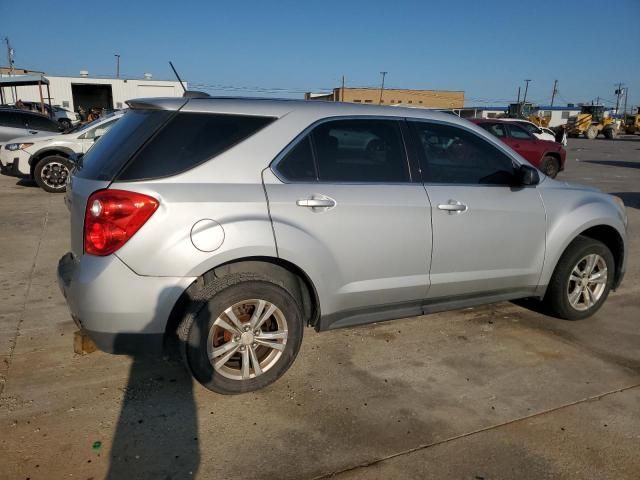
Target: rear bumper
(121,311)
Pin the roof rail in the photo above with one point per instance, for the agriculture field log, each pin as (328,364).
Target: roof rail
(195,94)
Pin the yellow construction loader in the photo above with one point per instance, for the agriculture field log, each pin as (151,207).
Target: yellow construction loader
(632,123)
(527,111)
(591,122)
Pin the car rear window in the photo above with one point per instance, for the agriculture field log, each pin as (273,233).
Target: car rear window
(114,149)
(190,139)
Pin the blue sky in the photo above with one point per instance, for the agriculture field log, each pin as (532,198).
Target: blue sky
(486,48)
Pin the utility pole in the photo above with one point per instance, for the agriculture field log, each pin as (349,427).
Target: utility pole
(626,95)
(518,95)
(342,91)
(526,89)
(384,74)
(618,93)
(11,60)
(555,90)
(117,55)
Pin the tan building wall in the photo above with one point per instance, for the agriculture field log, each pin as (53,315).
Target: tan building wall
(415,98)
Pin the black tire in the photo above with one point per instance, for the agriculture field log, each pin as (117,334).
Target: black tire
(65,124)
(51,173)
(556,299)
(550,166)
(591,133)
(610,133)
(210,300)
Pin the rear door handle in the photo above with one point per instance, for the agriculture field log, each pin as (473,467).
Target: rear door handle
(453,207)
(316,202)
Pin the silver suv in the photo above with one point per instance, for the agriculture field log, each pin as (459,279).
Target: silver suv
(228,225)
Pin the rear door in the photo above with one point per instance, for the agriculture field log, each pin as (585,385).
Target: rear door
(488,235)
(524,143)
(346,209)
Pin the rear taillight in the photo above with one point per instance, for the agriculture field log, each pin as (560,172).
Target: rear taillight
(113,217)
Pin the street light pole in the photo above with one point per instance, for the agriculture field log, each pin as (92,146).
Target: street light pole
(384,74)
(117,64)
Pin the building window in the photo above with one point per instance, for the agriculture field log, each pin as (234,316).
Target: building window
(491,115)
(393,101)
(420,101)
(565,115)
(399,101)
(381,101)
(367,101)
(357,101)
(65,104)
(410,101)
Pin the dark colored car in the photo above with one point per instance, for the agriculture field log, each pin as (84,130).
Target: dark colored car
(549,157)
(20,123)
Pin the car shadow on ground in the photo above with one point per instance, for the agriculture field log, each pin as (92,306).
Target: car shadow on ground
(630,199)
(614,163)
(26,182)
(157,431)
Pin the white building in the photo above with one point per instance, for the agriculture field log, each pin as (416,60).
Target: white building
(95,92)
(558,115)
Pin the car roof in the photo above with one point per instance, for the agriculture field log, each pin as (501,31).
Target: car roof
(281,107)
(24,112)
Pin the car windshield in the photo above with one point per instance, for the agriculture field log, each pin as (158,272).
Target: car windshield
(82,127)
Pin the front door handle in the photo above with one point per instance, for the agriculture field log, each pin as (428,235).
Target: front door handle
(316,202)
(453,207)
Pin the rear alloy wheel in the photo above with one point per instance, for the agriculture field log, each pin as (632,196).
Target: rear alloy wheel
(51,173)
(65,124)
(582,280)
(550,166)
(591,133)
(244,337)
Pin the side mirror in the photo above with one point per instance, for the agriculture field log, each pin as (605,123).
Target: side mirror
(527,175)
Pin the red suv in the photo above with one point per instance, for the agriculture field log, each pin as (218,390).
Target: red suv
(549,157)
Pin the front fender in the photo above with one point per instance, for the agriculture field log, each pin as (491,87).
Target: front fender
(571,212)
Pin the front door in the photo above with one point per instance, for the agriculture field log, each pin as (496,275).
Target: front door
(345,209)
(488,235)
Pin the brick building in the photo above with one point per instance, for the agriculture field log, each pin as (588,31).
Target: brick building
(393,96)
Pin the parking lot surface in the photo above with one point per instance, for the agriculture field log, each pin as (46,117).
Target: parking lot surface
(482,393)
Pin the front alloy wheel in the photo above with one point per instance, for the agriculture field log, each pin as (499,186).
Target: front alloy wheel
(582,279)
(51,173)
(587,282)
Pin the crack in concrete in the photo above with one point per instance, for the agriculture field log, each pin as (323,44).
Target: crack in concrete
(475,432)
(4,378)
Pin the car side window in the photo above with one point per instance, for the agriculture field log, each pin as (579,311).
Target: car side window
(368,151)
(37,122)
(298,164)
(103,127)
(519,133)
(496,129)
(454,155)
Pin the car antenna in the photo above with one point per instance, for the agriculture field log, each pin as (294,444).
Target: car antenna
(187,93)
(177,76)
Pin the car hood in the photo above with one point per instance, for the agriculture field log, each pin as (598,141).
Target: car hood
(40,137)
(551,183)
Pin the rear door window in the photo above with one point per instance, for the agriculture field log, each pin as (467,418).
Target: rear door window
(369,151)
(36,122)
(188,140)
(519,133)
